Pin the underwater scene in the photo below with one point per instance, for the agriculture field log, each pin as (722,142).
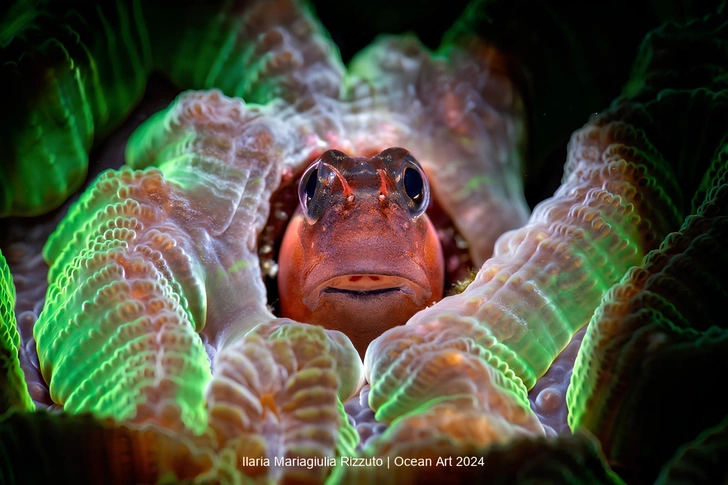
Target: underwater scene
(289,241)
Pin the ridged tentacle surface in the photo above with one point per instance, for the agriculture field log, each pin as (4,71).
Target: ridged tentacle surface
(464,122)
(152,265)
(76,75)
(645,298)
(259,51)
(117,334)
(278,394)
(543,282)
(681,69)
(620,196)
(657,327)
(227,159)
(14,394)
(82,449)
(147,259)
(661,325)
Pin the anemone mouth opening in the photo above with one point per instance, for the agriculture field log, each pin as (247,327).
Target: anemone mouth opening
(283,204)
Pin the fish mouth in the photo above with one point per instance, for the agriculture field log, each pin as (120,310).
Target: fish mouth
(362,293)
(364,286)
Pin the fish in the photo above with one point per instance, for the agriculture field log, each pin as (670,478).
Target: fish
(157,341)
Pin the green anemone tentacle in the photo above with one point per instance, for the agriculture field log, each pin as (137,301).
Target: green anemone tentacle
(76,75)
(133,297)
(655,346)
(118,330)
(14,394)
(630,175)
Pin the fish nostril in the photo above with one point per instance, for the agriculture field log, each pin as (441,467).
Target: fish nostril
(354,279)
(374,278)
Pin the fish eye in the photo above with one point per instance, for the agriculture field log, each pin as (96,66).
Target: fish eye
(311,184)
(416,188)
(307,186)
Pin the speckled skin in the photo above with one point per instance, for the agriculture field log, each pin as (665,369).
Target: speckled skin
(360,255)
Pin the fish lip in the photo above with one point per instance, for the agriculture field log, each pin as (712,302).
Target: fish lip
(360,293)
(384,284)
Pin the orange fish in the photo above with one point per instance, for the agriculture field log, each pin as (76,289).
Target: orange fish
(360,254)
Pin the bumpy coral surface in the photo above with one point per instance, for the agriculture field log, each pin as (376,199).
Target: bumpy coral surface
(159,357)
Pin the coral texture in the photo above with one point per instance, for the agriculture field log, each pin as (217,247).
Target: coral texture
(162,358)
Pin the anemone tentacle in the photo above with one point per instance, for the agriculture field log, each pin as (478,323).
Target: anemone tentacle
(14,394)
(157,317)
(152,263)
(627,181)
(75,78)
(660,322)
(278,393)
(77,75)
(118,328)
(543,281)
(465,122)
(654,327)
